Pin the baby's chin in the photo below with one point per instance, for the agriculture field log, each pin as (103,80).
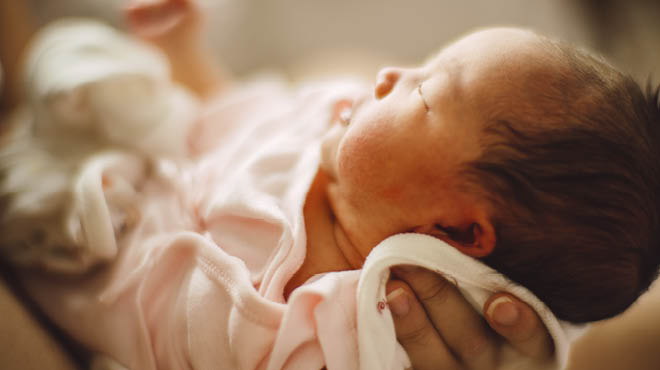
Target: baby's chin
(329,147)
(328,168)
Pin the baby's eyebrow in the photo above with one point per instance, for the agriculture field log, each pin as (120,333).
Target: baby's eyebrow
(419,90)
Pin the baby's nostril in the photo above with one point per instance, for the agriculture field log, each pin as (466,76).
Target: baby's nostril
(382,89)
(385,81)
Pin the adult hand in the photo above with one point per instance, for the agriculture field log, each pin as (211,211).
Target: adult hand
(439,329)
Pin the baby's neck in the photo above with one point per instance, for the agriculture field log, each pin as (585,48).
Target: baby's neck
(323,251)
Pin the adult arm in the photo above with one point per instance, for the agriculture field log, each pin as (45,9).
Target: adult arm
(440,330)
(24,343)
(627,341)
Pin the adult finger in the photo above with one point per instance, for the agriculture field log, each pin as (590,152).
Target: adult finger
(519,325)
(461,327)
(415,332)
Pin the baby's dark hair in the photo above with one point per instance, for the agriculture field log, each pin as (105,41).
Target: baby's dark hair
(573,174)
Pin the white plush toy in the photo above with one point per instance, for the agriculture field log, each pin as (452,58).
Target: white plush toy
(100,110)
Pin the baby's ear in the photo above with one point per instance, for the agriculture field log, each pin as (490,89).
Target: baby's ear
(476,239)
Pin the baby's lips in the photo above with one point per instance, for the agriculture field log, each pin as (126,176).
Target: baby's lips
(342,111)
(345,116)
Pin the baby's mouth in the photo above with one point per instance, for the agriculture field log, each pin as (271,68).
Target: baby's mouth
(345,116)
(347,110)
(343,111)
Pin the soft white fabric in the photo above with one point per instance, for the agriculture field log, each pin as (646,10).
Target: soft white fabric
(477,282)
(82,75)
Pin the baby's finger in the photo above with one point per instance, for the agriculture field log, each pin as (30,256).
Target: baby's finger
(153,18)
(415,332)
(519,325)
(457,322)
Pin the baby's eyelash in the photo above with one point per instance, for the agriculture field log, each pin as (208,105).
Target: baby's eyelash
(419,90)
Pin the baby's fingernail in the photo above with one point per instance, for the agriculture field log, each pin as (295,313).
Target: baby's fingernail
(398,302)
(503,311)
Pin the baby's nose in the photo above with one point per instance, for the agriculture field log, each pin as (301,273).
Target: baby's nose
(387,78)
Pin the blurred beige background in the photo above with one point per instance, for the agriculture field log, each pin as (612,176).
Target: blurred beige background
(312,37)
(298,36)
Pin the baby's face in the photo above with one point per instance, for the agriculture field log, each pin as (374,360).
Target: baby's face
(393,166)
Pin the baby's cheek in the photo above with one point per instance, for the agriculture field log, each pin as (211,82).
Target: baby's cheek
(361,162)
(346,164)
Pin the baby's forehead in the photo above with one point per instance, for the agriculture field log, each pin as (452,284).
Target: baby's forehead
(504,71)
(502,57)
(536,93)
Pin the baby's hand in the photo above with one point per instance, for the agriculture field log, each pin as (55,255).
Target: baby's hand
(165,22)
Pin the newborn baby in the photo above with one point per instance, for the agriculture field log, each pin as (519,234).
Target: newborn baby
(532,156)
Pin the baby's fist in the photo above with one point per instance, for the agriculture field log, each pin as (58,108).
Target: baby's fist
(163,20)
